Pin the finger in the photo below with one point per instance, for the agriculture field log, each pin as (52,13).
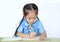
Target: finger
(41,39)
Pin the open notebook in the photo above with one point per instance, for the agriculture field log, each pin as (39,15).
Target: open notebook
(22,39)
(17,38)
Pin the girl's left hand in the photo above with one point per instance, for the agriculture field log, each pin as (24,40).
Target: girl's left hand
(42,37)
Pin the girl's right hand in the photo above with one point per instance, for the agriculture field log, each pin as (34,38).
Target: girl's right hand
(32,35)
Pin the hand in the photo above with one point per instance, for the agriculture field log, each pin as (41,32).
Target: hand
(42,37)
(32,35)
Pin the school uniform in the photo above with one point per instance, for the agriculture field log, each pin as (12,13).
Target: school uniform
(25,27)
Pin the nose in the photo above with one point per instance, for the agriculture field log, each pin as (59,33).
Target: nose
(32,21)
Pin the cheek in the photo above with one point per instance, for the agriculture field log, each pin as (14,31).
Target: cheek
(31,21)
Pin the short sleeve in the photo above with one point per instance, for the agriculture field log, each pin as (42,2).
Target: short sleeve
(41,28)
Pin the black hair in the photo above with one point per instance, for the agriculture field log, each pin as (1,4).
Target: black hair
(30,6)
(18,26)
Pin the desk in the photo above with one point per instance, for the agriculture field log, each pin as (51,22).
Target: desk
(35,40)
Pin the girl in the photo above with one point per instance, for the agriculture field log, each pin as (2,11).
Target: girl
(30,25)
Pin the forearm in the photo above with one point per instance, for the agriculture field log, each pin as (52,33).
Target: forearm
(23,35)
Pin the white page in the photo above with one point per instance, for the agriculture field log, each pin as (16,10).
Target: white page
(17,38)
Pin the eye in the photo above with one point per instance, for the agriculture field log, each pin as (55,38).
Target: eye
(34,18)
(29,18)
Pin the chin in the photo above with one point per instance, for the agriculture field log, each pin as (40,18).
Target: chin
(32,23)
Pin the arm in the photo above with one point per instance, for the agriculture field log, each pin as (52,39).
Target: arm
(42,31)
(31,35)
(23,35)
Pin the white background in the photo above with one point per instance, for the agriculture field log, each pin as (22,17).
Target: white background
(11,13)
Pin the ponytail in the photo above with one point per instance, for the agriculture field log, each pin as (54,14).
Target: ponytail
(37,18)
(18,26)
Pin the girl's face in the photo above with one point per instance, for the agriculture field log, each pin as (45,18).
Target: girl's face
(31,17)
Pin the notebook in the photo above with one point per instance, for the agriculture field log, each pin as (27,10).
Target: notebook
(17,38)
(11,39)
